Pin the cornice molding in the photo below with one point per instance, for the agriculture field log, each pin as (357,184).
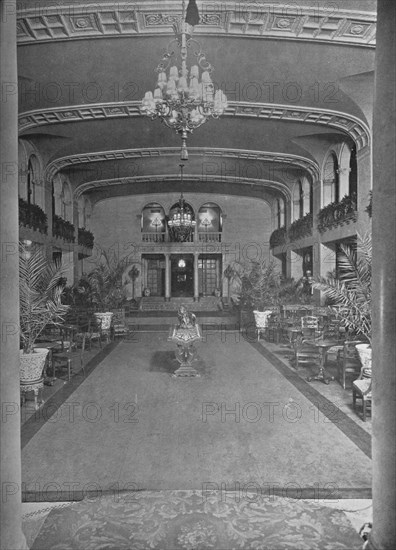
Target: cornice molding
(353,126)
(241,154)
(329,24)
(172,178)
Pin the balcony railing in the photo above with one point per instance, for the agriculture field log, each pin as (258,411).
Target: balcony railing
(153,237)
(31,215)
(278,237)
(62,229)
(203,237)
(337,213)
(301,228)
(213,237)
(85,237)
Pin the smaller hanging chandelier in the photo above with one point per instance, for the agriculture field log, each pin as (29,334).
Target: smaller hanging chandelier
(184,99)
(182,223)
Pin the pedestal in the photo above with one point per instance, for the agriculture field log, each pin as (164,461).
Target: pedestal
(186,351)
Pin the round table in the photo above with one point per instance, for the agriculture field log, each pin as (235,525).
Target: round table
(324,346)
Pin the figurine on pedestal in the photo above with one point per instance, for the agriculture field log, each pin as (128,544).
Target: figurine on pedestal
(184,334)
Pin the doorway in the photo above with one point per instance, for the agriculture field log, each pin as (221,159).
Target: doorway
(209,274)
(154,269)
(182,275)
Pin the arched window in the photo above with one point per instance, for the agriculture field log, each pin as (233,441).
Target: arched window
(302,198)
(34,187)
(153,223)
(353,172)
(296,201)
(331,183)
(66,202)
(210,222)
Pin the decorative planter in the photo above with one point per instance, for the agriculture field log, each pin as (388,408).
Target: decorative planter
(104,319)
(31,367)
(365,351)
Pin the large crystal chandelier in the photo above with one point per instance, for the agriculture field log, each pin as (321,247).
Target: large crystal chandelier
(182,223)
(184,99)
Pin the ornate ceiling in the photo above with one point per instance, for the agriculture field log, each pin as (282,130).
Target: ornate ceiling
(290,71)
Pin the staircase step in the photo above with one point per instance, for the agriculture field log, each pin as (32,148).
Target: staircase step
(154,303)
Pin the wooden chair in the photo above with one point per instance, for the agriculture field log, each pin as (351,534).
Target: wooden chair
(273,331)
(69,355)
(310,322)
(304,353)
(361,388)
(348,363)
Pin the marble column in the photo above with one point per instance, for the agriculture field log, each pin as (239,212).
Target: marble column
(196,279)
(11,536)
(167,278)
(383,535)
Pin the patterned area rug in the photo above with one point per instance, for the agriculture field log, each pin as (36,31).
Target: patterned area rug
(191,520)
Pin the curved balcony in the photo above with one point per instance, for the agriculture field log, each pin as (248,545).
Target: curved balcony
(85,238)
(62,229)
(278,237)
(337,213)
(31,215)
(301,228)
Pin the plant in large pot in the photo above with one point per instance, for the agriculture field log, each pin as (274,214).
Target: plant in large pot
(260,286)
(107,290)
(41,284)
(349,294)
(258,290)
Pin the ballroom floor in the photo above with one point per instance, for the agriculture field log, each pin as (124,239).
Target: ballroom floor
(250,425)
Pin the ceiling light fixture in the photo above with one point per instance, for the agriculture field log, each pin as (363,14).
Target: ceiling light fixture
(184,99)
(182,223)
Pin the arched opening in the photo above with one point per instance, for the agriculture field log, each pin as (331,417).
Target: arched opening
(153,223)
(183,232)
(66,203)
(331,182)
(34,187)
(84,212)
(353,173)
(302,198)
(210,222)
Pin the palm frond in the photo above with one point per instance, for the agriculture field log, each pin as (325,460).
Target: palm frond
(40,287)
(351,292)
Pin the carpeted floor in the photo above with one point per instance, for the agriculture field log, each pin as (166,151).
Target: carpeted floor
(190,520)
(131,426)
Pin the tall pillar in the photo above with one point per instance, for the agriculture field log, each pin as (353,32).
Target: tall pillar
(10,467)
(196,280)
(383,535)
(167,278)
(365,178)
(324,261)
(296,266)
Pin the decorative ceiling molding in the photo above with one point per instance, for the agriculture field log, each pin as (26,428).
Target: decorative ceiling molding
(294,161)
(354,127)
(174,178)
(328,23)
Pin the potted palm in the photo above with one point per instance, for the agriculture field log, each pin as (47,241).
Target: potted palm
(41,284)
(107,289)
(349,294)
